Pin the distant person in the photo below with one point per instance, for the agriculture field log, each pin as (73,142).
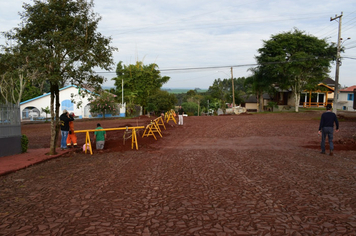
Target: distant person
(64,123)
(326,128)
(99,137)
(180,115)
(72,137)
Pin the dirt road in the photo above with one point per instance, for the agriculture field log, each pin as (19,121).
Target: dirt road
(259,174)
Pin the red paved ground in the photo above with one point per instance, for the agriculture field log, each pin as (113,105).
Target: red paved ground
(258,174)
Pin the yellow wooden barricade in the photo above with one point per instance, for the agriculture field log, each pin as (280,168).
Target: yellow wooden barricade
(151,129)
(88,142)
(170,116)
(159,122)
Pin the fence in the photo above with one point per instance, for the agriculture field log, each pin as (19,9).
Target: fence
(316,104)
(10,130)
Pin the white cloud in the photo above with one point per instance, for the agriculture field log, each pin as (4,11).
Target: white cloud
(208,33)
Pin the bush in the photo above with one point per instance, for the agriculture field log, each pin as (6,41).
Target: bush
(24,143)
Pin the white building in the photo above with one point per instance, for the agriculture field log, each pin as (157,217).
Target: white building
(71,98)
(346,99)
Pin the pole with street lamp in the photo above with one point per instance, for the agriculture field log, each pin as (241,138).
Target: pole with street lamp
(336,90)
(233,89)
(232,84)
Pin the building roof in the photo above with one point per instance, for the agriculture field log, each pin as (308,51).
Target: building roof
(253,98)
(326,86)
(329,82)
(47,94)
(349,89)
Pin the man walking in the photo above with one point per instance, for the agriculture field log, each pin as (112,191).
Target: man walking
(180,115)
(326,128)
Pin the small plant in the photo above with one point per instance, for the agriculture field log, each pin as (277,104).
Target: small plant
(46,110)
(271,105)
(104,104)
(24,143)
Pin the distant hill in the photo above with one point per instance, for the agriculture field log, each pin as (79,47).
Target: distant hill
(171,90)
(183,90)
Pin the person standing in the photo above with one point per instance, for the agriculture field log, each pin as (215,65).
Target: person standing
(326,128)
(72,137)
(180,115)
(99,137)
(64,123)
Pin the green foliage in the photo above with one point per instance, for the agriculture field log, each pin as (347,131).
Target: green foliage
(105,104)
(46,110)
(161,101)
(222,90)
(31,91)
(272,105)
(60,40)
(143,80)
(130,107)
(24,143)
(151,108)
(294,60)
(17,77)
(259,83)
(191,93)
(191,108)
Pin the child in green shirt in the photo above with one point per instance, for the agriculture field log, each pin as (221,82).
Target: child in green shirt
(99,137)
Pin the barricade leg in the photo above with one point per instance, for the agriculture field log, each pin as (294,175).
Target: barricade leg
(87,142)
(134,139)
(158,129)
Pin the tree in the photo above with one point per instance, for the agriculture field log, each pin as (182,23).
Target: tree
(191,93)
(259,83)
(190,108)
(144,80)
(130,108)
(240,89)
(17,76)
(104,103)
(161,101)
(46,110)
(194,97)
(61,36)
(295,60)
(219,91)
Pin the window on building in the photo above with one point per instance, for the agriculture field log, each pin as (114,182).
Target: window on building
(344,108)
(350,96)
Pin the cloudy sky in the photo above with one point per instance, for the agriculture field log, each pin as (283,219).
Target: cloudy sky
(195,42)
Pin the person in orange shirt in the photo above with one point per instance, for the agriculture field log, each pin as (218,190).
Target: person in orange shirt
(72,137)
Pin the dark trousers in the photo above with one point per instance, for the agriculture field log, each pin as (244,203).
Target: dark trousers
(327,131)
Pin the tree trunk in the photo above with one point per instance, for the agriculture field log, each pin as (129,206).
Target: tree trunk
(261,102)
(57,116)
(52,150)
(296,90)
(296,100)
(54,118)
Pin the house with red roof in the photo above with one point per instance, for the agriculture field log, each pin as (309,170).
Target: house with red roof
(346,99)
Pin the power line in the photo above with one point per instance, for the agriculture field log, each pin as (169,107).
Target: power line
(204,68)
(352,58)
(221,67)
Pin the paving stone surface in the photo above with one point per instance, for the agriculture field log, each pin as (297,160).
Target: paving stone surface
(231,175)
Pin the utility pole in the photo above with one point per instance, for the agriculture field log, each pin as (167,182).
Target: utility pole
(233,89)
(338,61)
(122,87)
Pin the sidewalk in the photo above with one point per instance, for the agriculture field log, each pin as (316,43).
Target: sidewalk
(9,164)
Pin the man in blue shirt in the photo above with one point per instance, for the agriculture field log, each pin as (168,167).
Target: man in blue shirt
(326,128)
